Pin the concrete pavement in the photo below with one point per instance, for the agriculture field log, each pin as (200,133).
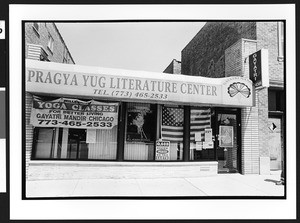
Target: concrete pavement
(220,185)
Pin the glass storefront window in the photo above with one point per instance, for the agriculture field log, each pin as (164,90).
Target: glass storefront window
(140,131)
(102,143)
(201,139)
(75,144)
(44,143)
(90,132)
(172,130)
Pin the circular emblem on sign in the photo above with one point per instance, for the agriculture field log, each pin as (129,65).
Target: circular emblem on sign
(237,87)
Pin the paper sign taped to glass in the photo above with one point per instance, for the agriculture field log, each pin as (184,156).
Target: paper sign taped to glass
(162,150)
(199,145)
(208,135)
(208,145)
(225,136)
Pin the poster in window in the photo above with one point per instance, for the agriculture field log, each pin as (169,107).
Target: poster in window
(140,124)
(162,150)
(225,136)
(208,135)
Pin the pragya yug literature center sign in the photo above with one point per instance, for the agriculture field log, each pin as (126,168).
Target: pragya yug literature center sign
(65,79)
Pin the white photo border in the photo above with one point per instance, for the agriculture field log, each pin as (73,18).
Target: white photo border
(139,209)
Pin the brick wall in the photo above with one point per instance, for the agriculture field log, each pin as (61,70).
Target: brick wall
(207,49)
(234,59)
(29,130)
(204,54)
(173,68)
(267,37)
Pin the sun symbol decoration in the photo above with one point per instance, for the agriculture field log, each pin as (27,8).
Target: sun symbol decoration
(238,87)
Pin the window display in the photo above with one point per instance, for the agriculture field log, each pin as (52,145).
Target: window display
(172,130)
(201,142)
(140,131)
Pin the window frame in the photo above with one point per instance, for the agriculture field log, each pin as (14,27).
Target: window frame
(50,44)
(154,133)
(36,132)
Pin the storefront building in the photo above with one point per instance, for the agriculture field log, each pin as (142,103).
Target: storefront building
(91,121)
(99,114)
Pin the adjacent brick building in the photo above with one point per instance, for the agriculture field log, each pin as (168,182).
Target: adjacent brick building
(43,42)
(174,67)
(221,49)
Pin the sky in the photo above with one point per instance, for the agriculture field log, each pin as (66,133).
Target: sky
(147,46)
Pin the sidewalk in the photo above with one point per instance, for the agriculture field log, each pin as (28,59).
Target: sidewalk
(220,185)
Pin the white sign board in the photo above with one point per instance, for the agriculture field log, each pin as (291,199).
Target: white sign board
(70,79)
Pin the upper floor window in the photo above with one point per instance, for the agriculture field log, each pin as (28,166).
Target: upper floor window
(276,100)
(43,55)
(36,28)
(50,43)
(280,40)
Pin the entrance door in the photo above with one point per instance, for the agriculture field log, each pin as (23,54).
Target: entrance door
(227,141)
(275,143)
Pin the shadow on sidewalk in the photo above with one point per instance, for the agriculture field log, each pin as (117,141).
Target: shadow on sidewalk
(271,180)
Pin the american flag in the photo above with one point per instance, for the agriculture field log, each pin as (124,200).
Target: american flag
(172,124)
(200,120)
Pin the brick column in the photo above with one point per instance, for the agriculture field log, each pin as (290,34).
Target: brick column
(237,64)
(250,140)
(29,130)
(264,154)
